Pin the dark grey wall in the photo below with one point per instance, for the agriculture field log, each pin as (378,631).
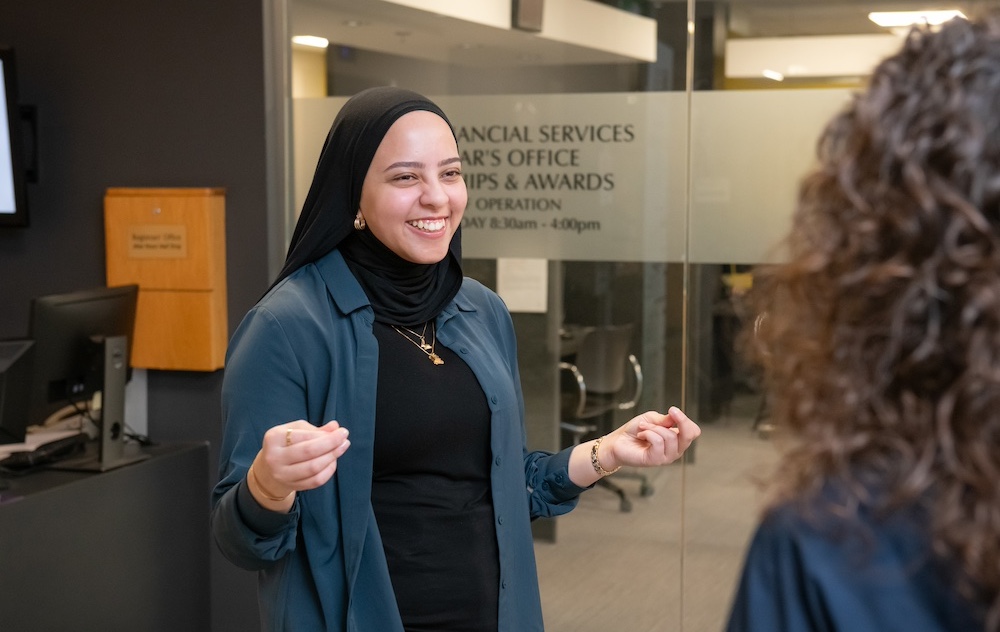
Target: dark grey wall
(142,93)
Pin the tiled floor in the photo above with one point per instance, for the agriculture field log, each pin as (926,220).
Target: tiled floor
(628,572)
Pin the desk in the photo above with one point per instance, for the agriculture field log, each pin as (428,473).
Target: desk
(122,550)
(35,439)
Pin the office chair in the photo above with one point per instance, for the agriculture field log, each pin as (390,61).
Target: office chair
(602,378)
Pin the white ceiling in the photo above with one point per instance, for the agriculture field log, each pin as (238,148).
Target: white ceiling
(392,28)
(781,18)
(396,29)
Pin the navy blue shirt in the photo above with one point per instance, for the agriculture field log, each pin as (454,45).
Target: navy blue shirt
(875,576)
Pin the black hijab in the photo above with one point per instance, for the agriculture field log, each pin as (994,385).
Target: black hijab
(401,292)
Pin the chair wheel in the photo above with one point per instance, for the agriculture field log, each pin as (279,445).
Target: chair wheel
(645,490)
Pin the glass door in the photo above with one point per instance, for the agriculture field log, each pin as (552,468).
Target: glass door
(626,169)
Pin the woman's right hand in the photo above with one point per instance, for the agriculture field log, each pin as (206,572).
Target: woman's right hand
(295,456)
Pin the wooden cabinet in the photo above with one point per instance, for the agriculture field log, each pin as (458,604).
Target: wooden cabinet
(171,242)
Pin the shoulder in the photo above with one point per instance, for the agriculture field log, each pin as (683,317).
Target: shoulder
(297,310)
(303,286)
(781,532)
(845,552)
(800,540)
(478,316)
(481,304)
(473,296)
(809,528)
(324,285)
(825,522)
(316,292)
(475,291)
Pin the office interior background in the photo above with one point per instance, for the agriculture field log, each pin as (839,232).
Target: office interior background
(720,103)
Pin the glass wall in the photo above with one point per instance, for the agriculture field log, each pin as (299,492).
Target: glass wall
(627,164)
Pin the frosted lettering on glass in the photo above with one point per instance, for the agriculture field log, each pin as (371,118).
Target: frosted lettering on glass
(573,177)
(605,177)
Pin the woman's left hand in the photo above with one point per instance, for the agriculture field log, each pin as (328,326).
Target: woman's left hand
(649,439)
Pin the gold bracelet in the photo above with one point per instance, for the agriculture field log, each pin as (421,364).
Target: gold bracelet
(263,492)
(596,462)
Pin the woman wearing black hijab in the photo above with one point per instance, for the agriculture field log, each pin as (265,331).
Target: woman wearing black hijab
(421,519)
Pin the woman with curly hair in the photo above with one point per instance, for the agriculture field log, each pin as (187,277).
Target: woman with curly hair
(881,354)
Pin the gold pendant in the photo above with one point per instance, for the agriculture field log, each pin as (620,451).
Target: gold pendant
(435,358)
(425,346)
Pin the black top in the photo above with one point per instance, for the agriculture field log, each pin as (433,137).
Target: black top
(431,488)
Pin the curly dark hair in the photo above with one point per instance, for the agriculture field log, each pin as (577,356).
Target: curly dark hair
(881,342)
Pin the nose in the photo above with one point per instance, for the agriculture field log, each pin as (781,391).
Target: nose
(435,195)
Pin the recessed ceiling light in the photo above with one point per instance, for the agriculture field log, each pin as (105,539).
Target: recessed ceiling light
(889,19)
(311,40)
(773,74)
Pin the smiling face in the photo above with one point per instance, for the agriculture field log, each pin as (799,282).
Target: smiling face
(414,196)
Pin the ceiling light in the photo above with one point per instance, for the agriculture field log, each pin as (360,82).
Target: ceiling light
(773,74)
(311,40)
(889,19)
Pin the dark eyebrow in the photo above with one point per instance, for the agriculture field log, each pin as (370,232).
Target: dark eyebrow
(420,165)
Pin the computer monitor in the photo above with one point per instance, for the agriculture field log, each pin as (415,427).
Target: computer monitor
(69,332)
(15,379)
(83,345)
(13,202)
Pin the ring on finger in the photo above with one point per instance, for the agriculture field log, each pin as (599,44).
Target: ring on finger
(288,437)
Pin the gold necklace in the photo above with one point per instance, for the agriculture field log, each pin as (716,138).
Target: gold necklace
(428,349)
(423,341)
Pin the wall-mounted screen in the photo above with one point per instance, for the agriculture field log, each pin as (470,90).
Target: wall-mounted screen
(13,205)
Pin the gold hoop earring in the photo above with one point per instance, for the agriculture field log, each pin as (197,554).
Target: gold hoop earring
(359,222)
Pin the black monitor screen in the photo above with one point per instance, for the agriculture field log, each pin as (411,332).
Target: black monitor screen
(67,330)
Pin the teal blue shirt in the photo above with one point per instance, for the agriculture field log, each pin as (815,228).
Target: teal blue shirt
(307,351)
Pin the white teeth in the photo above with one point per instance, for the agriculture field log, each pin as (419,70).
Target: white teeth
(429,226)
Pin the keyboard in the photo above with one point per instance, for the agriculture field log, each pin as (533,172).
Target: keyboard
(44,454)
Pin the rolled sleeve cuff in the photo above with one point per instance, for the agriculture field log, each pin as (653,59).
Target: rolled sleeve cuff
(260,520)
(551,491)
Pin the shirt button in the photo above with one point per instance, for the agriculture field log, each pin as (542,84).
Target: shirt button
(503,584)
(493,399)
(500,520)
(464,350)
(559,478)
(497,461)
